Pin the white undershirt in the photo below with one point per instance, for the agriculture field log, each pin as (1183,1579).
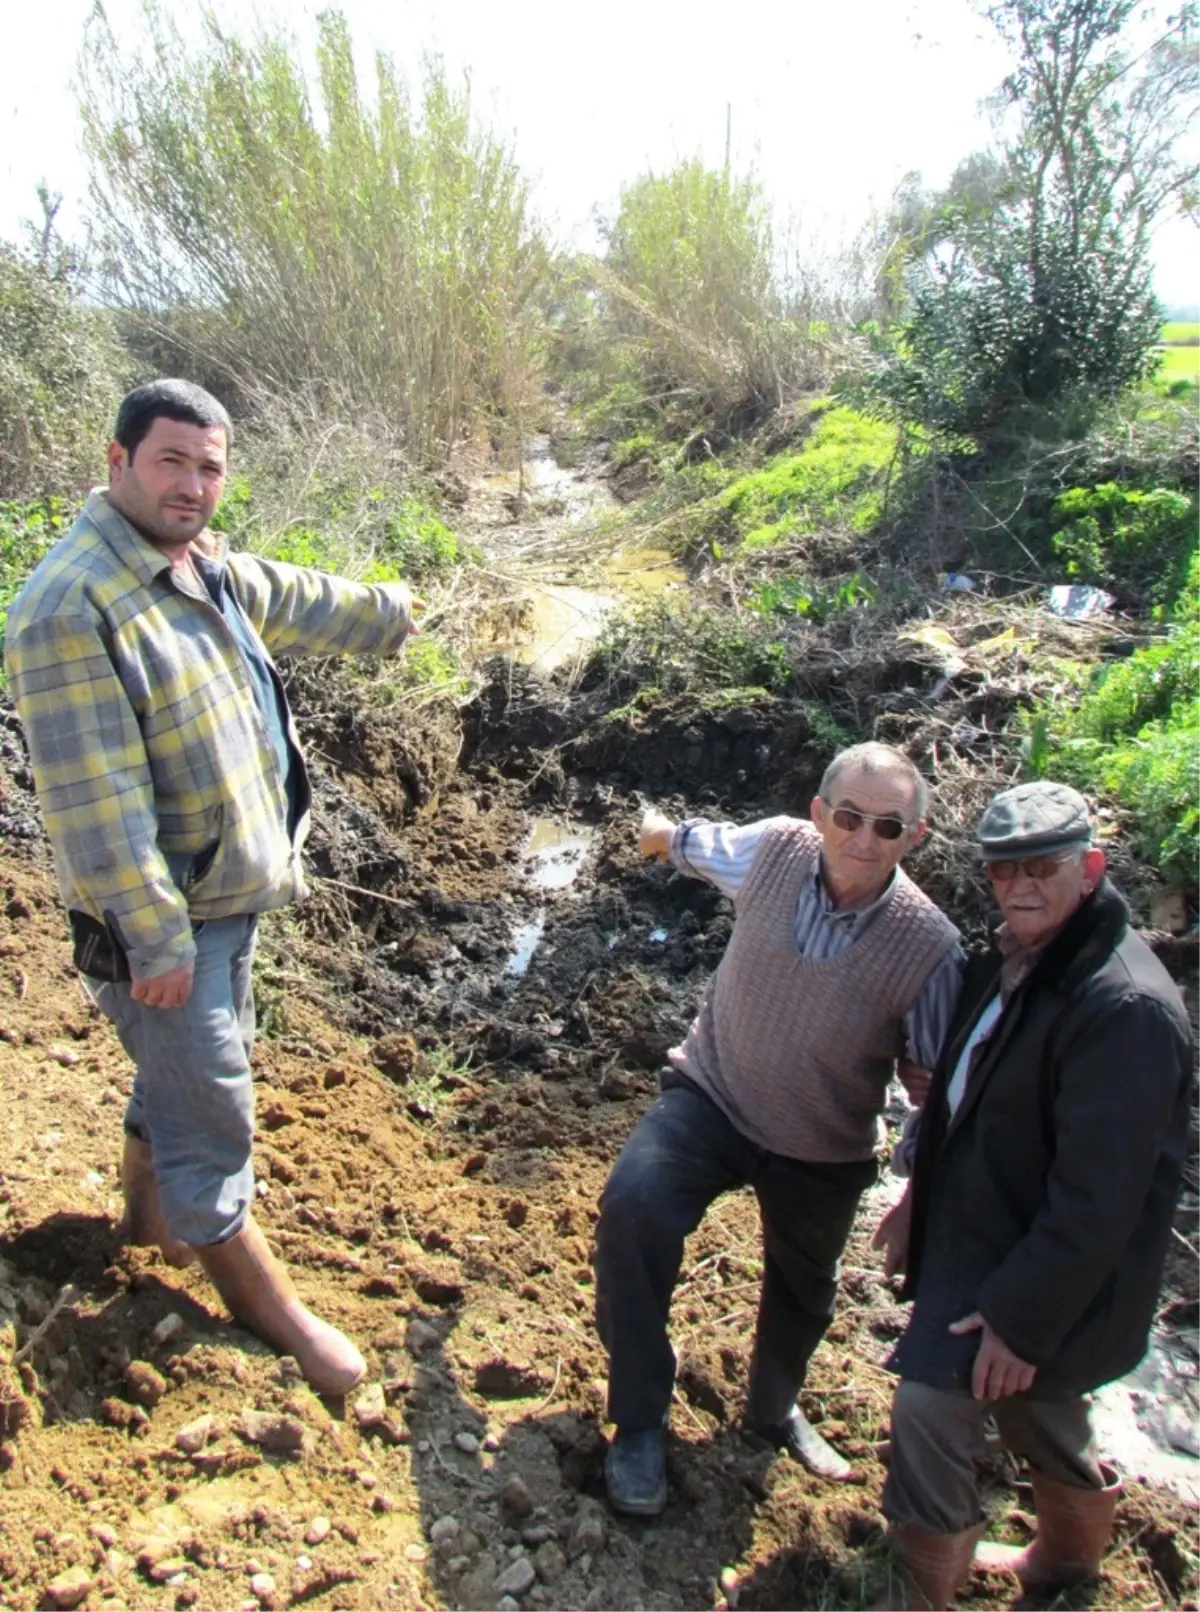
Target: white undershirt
(983,1028)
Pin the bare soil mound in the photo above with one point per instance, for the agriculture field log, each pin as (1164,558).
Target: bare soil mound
(456,1041)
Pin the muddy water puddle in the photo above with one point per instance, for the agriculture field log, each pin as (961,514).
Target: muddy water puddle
(570,572)
(554,855)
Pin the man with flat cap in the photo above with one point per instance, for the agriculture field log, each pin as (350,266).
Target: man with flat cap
(1035,1227)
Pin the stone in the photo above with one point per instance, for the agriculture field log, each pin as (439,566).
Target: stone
(370,1408)
(193,1436)
(517,1578)
(515,1498)
(590,1530)
(538,1534)
(420,1337)
(68,1589)
(443,1532)
(467,1443)
(550,1561)
(105,1534)
(318,1531)
(171,1326)
(476,1589)
(263,1586)
(146,1386)
(166,1570)
(283,1435)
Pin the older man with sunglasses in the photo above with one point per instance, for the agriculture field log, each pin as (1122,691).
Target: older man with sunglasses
(1033,1236)
(837,966)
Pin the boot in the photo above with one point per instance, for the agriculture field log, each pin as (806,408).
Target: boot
(1074,1529)
(260,1293)
(932,1567)
(144,1225)
(799,1438)
(635,1473)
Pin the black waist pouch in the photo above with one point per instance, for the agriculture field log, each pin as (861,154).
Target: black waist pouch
(97,951)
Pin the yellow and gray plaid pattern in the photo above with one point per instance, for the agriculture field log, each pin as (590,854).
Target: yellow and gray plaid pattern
(144,734)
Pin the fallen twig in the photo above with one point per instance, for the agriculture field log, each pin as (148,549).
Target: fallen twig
(359,890)
(68,1296)
(553,1387)
(1178,1235)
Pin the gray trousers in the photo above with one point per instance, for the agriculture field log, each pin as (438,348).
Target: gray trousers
(193,1096)
(938,1436)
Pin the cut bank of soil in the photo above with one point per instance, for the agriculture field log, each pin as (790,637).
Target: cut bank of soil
(434,1134)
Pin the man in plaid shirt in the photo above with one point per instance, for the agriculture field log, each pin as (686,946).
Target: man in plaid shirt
(140,655)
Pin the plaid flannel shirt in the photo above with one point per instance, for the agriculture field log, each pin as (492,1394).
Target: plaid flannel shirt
(148,748)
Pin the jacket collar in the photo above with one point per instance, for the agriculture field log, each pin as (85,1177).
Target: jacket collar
(1081,947)
(1085,941)
(132,549)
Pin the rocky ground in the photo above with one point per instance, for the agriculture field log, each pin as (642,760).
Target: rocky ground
(435,1128)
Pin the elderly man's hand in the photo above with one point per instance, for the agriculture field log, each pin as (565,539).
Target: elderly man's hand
(915,1080)
(165,990)
(655,834)
(892,1234)
(997,1372)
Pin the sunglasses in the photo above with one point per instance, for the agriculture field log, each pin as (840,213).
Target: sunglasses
(850,821)
(1034,867)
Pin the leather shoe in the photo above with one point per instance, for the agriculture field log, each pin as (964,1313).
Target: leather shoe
(635,1473)
(797,1437)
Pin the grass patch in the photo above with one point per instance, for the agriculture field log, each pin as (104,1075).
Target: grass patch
(1181,332)
(838,478)
(1178,364)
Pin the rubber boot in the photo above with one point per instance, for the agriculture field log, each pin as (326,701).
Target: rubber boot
(1074,1528)
(259,1291)
(144,1224)
(932,1567)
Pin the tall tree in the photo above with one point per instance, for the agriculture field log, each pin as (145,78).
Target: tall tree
(1037,285)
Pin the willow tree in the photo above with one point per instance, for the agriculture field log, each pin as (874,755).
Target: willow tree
(363,249)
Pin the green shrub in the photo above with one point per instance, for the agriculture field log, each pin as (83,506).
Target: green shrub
(62,374)
(678,648)
(1115,533)
(26,531)
(352,516)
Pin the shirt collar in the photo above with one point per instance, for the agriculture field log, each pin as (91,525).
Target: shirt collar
(133,549)
(851,914)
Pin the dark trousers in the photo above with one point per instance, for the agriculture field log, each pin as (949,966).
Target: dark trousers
(681,1156)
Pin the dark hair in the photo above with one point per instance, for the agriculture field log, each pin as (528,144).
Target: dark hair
(172,400)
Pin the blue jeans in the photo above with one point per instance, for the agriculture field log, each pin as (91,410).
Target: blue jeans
(193,1098)
(682,1154)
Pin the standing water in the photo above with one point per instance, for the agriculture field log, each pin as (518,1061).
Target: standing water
(554,854)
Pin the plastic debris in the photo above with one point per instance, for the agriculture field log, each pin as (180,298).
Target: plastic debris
(1078,601)
(958,582)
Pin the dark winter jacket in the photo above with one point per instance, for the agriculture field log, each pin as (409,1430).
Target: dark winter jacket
(1046,1201)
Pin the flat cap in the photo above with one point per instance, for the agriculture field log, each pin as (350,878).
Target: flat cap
(1039,819)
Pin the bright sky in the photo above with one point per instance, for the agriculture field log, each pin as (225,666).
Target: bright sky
(831,104)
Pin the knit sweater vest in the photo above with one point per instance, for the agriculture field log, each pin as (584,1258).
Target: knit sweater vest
(798,1054)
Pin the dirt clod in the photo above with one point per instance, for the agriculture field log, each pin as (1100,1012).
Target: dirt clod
(146,1385)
